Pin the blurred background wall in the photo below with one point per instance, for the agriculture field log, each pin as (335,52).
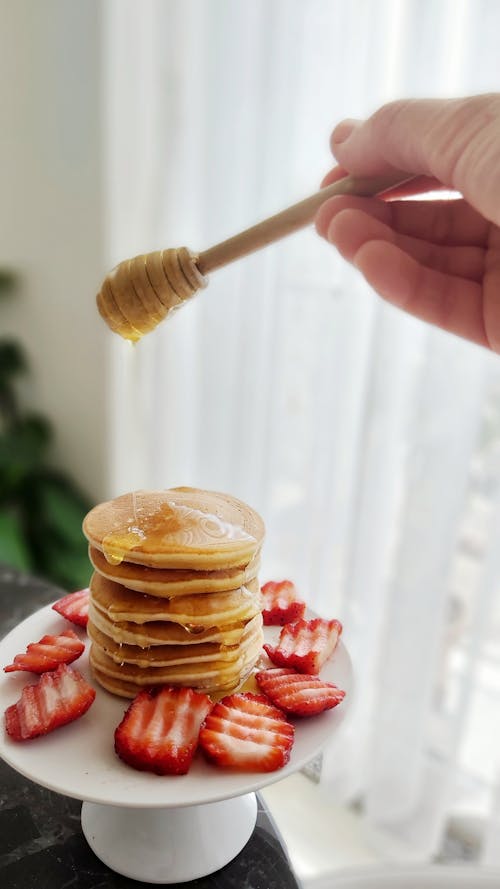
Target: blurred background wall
(51,219)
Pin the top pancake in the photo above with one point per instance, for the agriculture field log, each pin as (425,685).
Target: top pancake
(185,528)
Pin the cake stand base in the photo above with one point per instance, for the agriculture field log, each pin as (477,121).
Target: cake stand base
(171,845)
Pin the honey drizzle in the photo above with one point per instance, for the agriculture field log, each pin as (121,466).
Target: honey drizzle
(150,532)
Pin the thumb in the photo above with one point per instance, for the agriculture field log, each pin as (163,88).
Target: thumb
(456,141)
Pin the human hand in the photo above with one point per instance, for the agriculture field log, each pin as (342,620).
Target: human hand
(437,259)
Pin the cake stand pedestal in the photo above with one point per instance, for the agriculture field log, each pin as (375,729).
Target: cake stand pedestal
(150,828)
(169,845)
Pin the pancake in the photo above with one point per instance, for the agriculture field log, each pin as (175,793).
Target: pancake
(124,689)
(185,528)
(161,655)
(175,655)
(173,582)
(200,610)
(203,676)
(211,676)
(163,632)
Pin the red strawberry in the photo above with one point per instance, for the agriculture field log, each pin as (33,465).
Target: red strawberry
(159,731)
(48,653)
(281,603)
(305,644)
(245,732)
(298,693)
(74,607)
(59,697)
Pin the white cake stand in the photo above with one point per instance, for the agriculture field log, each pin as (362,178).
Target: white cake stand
(150,828)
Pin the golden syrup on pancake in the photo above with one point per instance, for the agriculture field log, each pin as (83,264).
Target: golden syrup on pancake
(144,530)
(116,545)
(250,684)
(169,524)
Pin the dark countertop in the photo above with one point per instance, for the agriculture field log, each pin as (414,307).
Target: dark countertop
(41,842)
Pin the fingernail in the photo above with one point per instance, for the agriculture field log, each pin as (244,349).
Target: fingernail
(343,130)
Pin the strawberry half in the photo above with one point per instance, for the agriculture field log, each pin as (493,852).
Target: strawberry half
(74,607)
(246,732)
(59,697)
(48,653)
(281,603)
(298,693)
(305,644)
(159,731)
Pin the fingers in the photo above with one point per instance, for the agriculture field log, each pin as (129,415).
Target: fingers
(447,301)
(351,229)
(452,222)
(389,139)
(334,176)
(456,141)
(414,186)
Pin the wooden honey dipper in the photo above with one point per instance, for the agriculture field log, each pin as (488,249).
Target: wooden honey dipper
(140,292)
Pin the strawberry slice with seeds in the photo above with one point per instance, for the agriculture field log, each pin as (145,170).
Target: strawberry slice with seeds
(281,603)
(48,653)
(305,644)
(59,697)
(246,732)
(299,694)
(74,607)
(159,731)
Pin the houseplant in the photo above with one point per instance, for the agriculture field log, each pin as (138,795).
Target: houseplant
(41,508)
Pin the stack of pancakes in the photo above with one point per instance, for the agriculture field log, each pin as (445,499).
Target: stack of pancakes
(175,595)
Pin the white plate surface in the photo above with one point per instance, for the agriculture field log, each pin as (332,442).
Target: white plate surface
(78,760)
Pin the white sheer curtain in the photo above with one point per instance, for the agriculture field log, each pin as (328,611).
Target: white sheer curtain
(369,442)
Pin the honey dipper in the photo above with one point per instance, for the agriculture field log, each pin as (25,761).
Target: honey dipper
(140,292)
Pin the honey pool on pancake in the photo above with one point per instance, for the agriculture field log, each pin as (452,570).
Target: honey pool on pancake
(169,522)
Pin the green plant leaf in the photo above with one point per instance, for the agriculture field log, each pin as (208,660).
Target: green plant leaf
(22,449)
(54,509)
(69,567)
(13,548)
(41,510)
(8,282)
(62,507)
(12,359)
(12,363)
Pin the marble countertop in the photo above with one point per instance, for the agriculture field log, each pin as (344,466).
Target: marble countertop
(41,842)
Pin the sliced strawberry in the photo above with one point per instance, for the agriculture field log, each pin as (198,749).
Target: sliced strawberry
(159,731)
(48,653)
(59,697)
(245,732)
(298,693)
(281,603)
(74,607)
(305,644)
